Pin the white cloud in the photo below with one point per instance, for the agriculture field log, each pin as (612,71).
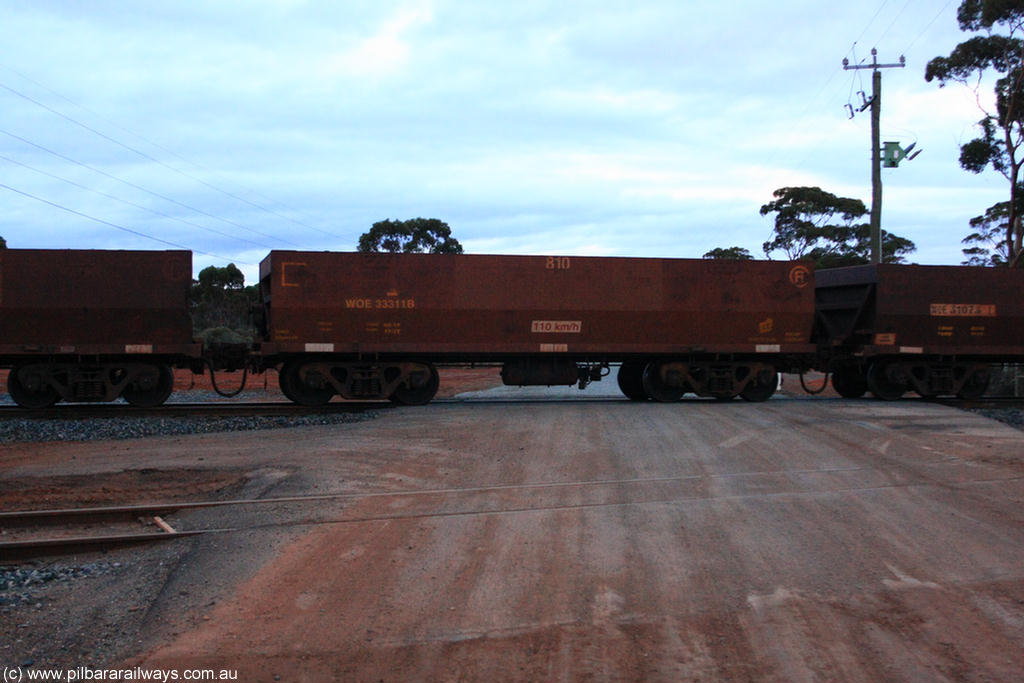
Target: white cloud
(384,53)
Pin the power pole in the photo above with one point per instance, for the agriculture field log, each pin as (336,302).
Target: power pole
(876,148)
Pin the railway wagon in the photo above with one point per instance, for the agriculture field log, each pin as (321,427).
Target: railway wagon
(377,325)
(94,325)
(935,330)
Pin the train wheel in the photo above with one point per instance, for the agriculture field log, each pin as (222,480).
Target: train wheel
(284,381)
(975,386)
(761,387)
(849,383)
(631,380)
(304,385)
(151,388)
(656,389)
(886,381)
(420,389)
(29,388)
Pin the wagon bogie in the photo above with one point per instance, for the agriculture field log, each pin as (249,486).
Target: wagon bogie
(41,384)
(315,381)
(938,378)
(669,380)
(889,378)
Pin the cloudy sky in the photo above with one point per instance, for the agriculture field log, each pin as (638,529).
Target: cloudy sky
(652,128)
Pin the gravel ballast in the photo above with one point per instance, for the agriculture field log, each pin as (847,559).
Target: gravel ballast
(131,427)
(25,583)
(128,427)
(1011,416)
(33,430)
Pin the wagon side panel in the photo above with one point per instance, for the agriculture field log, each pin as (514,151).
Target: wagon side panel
(499,305)
(92,301)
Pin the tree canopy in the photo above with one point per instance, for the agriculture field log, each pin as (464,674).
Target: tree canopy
(729,253)
(818,226)
(986,246)
(999,144)
(428,235)
(220,299)
(213,278)
(3,243)
(810,221)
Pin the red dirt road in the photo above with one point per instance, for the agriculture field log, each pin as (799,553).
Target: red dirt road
(796,540)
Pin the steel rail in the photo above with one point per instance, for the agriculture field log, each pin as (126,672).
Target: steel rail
(30,548)
(36,547)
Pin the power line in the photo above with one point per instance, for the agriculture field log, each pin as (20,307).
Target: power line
(893,22)
(871,21)
(857,76)
(925,29)
(115,225)
(143,189)
(130,203)
(146,156)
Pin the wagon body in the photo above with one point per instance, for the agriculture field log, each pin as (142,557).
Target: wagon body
(931,310)
(89,302)
(478,307)
(91,325)
(935,330)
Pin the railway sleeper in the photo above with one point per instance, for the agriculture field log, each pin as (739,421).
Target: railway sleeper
(41,385)
(315,382)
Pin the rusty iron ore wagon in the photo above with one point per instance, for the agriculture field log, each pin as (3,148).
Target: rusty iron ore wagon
(935,330)
(377,325)
(91,325)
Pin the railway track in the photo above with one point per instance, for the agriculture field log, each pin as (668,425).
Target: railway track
(30,534)
(58,532)
(63,531)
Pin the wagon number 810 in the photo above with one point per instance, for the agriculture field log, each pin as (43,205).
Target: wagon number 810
(558,263)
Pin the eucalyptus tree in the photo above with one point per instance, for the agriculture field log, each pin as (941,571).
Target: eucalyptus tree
(818,226)
(428,235)
(998,48)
